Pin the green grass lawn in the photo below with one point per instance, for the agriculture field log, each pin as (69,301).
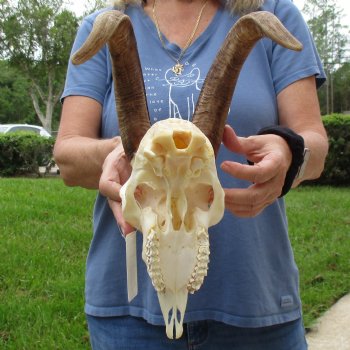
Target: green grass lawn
(319,221)
(45,230)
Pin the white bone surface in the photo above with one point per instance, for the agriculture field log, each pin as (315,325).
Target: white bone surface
(172,196)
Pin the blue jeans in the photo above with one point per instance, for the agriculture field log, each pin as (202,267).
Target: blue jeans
(123,333)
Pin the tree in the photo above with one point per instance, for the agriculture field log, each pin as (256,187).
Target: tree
(36,38)
(342,88)
(331,38)
(15,103)
(93,5)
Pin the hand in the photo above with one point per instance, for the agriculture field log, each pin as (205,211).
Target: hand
(116,170)
(271,156)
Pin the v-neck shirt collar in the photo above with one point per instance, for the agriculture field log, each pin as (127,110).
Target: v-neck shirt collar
(173,48)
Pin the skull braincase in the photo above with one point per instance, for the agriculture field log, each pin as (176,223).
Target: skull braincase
(172,196)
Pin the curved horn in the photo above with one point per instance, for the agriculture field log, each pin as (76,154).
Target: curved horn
(115,28)
(215,98)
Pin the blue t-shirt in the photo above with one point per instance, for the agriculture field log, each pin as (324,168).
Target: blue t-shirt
(252,279)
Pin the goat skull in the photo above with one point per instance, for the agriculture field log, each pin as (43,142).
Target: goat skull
(173,194)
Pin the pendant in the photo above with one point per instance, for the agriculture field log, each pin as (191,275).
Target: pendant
(178,68)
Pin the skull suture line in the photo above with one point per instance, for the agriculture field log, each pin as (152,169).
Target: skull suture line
(173,194)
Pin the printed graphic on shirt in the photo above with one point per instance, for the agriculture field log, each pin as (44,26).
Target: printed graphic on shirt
(176,97)
(154,99)
(182,92)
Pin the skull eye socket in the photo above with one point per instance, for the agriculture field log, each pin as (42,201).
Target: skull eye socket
(148,196)
(199,196)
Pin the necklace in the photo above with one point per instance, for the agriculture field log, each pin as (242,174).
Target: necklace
(178,67)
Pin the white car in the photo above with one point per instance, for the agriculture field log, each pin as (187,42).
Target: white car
(39,130)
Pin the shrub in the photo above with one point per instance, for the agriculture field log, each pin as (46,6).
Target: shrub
(22,153)
(337,167)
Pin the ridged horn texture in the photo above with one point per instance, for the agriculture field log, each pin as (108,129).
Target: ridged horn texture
(215,98)
(115,29)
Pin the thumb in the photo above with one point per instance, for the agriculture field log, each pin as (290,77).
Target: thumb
(116,208)
(231,141)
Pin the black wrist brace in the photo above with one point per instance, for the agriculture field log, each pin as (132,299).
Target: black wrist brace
(296,145)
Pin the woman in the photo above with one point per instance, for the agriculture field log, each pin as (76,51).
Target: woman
(249,299)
